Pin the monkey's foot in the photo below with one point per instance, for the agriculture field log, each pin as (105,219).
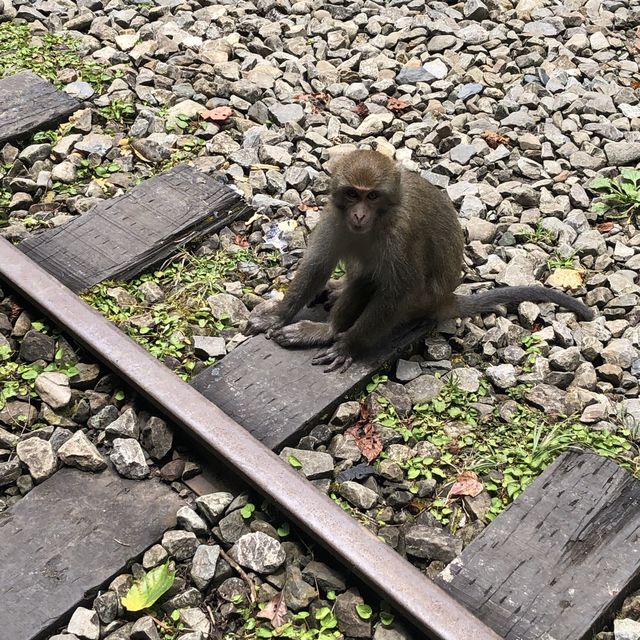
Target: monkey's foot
(303,334)
(263,319)
(336,356)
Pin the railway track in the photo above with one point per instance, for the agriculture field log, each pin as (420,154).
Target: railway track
(430,608)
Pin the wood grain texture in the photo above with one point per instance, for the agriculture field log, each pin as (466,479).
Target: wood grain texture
(278,395)
(560,558)
(119,238)
(29,103)
(68,537)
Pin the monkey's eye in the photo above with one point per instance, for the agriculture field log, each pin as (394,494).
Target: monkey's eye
(373,195)
(351,193)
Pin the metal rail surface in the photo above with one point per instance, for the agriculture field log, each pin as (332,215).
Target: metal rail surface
(435,612)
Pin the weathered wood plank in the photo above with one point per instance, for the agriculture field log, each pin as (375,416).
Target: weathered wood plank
(69,536)
(560,558)
(28,103)
(120,237)
(278,395)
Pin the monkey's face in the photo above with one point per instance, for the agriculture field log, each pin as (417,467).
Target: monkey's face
(365,188)
(360,207)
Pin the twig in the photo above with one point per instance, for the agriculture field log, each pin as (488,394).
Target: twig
(243,575)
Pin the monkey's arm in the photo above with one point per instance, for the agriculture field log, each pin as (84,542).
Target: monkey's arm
(315,268)
(383,312)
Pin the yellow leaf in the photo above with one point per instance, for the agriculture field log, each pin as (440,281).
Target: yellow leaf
(566,278)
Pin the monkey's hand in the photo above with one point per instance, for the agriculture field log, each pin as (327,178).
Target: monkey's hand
(265,318)
(337,356)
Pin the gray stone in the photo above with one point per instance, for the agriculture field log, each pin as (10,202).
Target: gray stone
(213,505)
(284,113)
(358,495)
(37,346)
(84,624)
(181,545)
(411,75)
(9,472)
(463,153)
(259,552)
(224,306)
(144,629)
(125,426)
(205,562)
(298,594)
(80,90)
(128,459)
(327,578)
(95,143)
(156,438)
(209,346)
(78,451)
(620,352)
(465,378)
(346,414)
(440,43)
(565,359)
(189,520)
(502,376)
(475,10)
(549,399)
(53,388)
(626,629)
(424,389)
(620,154)
(39,458)
(315,464)
(407,370)
(349,622)
(102,418)
(432,543)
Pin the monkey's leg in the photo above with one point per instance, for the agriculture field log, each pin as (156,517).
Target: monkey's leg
(304,334)
(331,292)
(383,312)
(345,313)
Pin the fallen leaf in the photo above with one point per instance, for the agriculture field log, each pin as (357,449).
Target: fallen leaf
(603,227)
(494,139)
(635,84)
(361,110)
(566,278)
(467,484)
(275,610)
(241,241)
(218,114)
(367,439)
(318,101)
(305,206)
(395,104)
(15,310)
(562,176)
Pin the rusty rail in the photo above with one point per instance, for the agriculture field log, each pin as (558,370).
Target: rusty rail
(434,611)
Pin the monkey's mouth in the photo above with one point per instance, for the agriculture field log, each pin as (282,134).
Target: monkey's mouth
(359,228)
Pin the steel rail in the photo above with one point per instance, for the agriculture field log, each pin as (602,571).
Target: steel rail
(429,607)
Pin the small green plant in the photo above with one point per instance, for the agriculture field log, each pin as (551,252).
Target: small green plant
(17,378)
(121,111)
(45,54)
(620,196)
(558,262)
(531,347)
(540,234)
(52,136)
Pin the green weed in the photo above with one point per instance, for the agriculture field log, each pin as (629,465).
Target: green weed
(620,196)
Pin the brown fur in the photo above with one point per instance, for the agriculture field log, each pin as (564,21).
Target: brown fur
(404,267)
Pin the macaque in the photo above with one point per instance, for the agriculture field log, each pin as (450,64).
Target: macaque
(402,246)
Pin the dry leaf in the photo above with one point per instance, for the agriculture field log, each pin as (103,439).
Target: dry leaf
(305,206)
(14,311)
(241,241)
(494,139)
(275,611)
(318,101)
(566,278)
(367,439)
(562,176)
(603,227)
(361,110)
(395,104)
(467,484)
(635,84)
(218,114)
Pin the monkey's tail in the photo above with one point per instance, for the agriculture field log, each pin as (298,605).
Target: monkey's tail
(487,301)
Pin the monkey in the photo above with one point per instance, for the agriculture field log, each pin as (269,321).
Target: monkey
(402,246)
